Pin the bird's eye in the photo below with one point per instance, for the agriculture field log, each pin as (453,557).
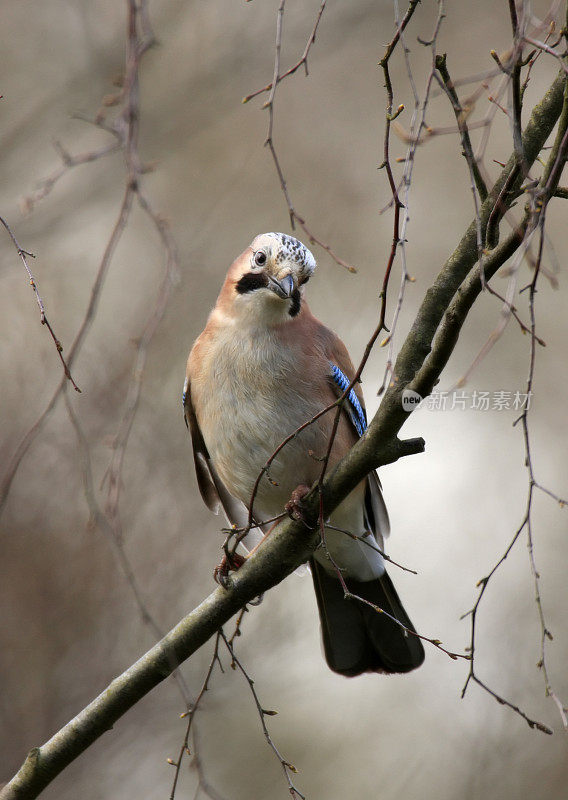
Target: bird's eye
(260,258)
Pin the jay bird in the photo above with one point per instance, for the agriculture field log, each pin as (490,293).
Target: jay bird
(262,367)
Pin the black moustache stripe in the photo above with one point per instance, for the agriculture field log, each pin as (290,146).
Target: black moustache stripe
(251,281)
(295,305)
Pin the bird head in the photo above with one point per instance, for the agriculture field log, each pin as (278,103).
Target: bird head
(267,280)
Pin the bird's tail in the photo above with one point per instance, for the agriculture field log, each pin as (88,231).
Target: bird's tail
(356,638)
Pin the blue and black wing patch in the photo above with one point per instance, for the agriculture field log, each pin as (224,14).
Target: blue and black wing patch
(352,404)
(376,516)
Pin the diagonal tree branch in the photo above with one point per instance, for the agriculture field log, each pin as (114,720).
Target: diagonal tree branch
(289,546)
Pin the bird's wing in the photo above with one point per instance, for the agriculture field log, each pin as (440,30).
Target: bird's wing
(340,376)
(212,489)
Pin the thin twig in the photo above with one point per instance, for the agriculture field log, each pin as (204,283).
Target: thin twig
(24,255)
(96,289)
(102,521)
(303,60)
(68,162)
(524,328)
(545,632)
(269,142)
(386,163)
(349,595)
(170,278)
(540,195)
(561,57)
(369,541)
(548,183)
(190,714)
(472,613)
(417,125)
(287,767)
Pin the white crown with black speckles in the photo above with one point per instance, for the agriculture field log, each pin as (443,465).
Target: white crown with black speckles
(293,249)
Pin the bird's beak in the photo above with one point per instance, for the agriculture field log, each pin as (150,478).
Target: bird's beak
(283,288)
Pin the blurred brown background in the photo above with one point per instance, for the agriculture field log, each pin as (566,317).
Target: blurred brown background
(68,621)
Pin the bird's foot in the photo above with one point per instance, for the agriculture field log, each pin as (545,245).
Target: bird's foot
(294,505)
(228,563)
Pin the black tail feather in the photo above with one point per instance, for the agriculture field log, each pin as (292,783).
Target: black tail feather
(356,638)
